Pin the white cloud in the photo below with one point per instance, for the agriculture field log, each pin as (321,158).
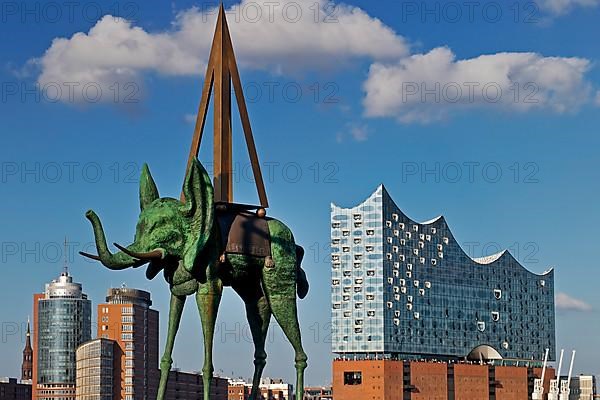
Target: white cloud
(559,7)
(597,100)
(568,303)
(429,87)
(354,131)
(285,38)
(190,118)
(278,37)
(359,133)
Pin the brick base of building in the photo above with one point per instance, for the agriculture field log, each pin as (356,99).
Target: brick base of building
(422,380)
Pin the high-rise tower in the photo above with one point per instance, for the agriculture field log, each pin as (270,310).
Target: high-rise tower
(62,321)
(127,318)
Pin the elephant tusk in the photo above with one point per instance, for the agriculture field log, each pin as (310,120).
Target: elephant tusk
(157,253)
(88,255)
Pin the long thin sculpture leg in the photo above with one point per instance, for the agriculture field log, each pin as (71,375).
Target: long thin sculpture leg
(259,316)
(175,311)
(280,284)
(208,299)
(284,310)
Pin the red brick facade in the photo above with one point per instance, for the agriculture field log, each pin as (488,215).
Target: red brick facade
(238,392)
(372,379)
(470,381)
(420,380)
(512,383)
(430,380)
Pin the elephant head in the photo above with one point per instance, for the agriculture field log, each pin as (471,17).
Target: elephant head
(168,231)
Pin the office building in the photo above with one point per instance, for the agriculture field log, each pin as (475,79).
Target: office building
(98,370)
(583,387)
(189,386)
(128,334)
(406,290)
(99,373)
(12,389)
(36,298)
(127,319)
(62,321)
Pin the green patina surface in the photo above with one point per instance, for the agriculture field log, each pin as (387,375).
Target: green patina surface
(186,239)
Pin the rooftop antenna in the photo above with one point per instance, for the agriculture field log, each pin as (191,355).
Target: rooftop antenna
(66,263)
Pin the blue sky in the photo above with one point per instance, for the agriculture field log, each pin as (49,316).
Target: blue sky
(338,106)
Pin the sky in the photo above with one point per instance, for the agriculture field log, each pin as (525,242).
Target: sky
(485,112)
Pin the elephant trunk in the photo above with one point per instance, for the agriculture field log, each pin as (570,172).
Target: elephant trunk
(115,261)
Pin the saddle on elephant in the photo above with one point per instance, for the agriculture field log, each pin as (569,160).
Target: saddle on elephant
(243,232)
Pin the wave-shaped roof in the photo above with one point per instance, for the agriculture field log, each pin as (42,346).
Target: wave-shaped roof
(489,259)
(440,223)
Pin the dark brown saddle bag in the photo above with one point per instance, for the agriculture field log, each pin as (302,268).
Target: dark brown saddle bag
(243,232)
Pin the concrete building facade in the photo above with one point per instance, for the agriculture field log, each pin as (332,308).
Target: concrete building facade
(583,387)
(98,370)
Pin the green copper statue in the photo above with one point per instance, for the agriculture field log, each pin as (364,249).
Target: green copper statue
(186,240)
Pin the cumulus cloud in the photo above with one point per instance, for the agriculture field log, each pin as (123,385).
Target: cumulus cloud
(284,36)
(568,303)
(359,133)
(354,131)
(290,36)
(559,7)
(431,86)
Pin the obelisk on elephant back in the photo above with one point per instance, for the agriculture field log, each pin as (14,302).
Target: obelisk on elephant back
(221,73)
(204,241)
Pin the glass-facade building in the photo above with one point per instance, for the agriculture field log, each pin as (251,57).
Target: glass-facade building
(96,369)
(63,323)
(406,289)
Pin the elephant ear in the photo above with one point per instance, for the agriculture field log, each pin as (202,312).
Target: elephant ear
(148,190)
(198,209)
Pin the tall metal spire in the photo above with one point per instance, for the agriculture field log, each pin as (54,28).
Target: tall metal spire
(221,73)
(66,260)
